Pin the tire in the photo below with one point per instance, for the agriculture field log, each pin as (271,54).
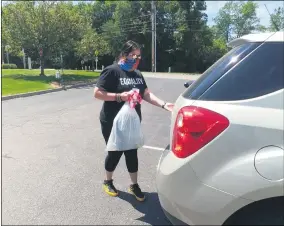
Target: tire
(264,212)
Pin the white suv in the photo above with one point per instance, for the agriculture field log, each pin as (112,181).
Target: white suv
(224,164)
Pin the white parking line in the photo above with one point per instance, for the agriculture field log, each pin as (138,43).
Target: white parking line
(154,148)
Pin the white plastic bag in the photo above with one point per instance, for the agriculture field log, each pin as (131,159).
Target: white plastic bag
(126,133)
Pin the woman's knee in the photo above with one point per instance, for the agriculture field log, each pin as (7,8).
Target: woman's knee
(112,160)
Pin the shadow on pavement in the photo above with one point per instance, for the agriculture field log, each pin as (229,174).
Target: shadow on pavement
(151,208)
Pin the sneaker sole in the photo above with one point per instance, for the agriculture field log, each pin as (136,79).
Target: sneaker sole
(109,193)
(139,199)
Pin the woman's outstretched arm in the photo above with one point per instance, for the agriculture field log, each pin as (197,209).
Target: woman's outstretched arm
(152,99)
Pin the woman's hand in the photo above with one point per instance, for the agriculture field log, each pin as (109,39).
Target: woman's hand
(169,107)
(125,96)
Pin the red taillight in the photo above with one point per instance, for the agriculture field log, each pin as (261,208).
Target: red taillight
(194,128)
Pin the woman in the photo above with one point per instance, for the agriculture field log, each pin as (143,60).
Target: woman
(113,88)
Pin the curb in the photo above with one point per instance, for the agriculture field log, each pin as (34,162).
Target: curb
(46,91)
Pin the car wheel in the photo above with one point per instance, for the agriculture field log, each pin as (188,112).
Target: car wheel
(264,212)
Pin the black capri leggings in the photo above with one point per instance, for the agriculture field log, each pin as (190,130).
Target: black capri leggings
(113,157)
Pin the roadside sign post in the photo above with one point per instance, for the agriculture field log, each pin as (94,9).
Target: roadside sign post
(61,61)
(97,59)
(41,62)
(57,75)
(97,63)
(24,58)
(29,63)
(82,63)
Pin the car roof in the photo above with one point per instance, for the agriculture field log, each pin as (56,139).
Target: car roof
(259,37)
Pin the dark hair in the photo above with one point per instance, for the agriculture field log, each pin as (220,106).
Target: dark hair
(128,47)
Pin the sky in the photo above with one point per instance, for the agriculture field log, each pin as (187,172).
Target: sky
(214,6)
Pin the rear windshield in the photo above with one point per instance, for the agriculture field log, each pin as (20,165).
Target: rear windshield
(259,74)
(219,68)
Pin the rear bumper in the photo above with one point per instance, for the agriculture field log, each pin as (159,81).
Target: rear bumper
(186,200)
(173,219)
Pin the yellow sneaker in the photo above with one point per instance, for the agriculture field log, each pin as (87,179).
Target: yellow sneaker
(135,190)
(109,188)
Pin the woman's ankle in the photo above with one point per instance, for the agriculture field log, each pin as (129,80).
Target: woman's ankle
(109,175)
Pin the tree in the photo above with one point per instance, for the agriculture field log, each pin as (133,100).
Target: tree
(277,18)
(224,21)
(236,19)
(244,18)
(191,25)
(262,28)
(102,12)
(212,48)
(136,26)
(90,45)
(43,27)
(184,41)
(14,46)
(182,34)
(111,33)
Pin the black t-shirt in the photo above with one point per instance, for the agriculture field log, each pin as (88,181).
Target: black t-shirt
(115,80)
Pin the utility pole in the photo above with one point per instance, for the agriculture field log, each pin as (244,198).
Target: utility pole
(154,40)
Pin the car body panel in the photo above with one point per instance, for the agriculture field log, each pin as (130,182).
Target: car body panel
(267,157)
(241,165)
(231,168)
(191,201)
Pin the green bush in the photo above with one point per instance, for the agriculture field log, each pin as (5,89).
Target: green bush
(9,66)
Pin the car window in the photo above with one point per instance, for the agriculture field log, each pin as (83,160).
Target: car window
(259,74)
(219,68)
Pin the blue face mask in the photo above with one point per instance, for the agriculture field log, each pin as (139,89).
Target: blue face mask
(126,64)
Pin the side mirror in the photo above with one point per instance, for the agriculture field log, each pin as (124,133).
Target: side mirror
(187,84)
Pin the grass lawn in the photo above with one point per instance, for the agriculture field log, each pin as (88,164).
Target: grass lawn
(16,81)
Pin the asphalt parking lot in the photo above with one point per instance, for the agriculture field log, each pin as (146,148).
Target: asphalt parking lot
(53,160)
